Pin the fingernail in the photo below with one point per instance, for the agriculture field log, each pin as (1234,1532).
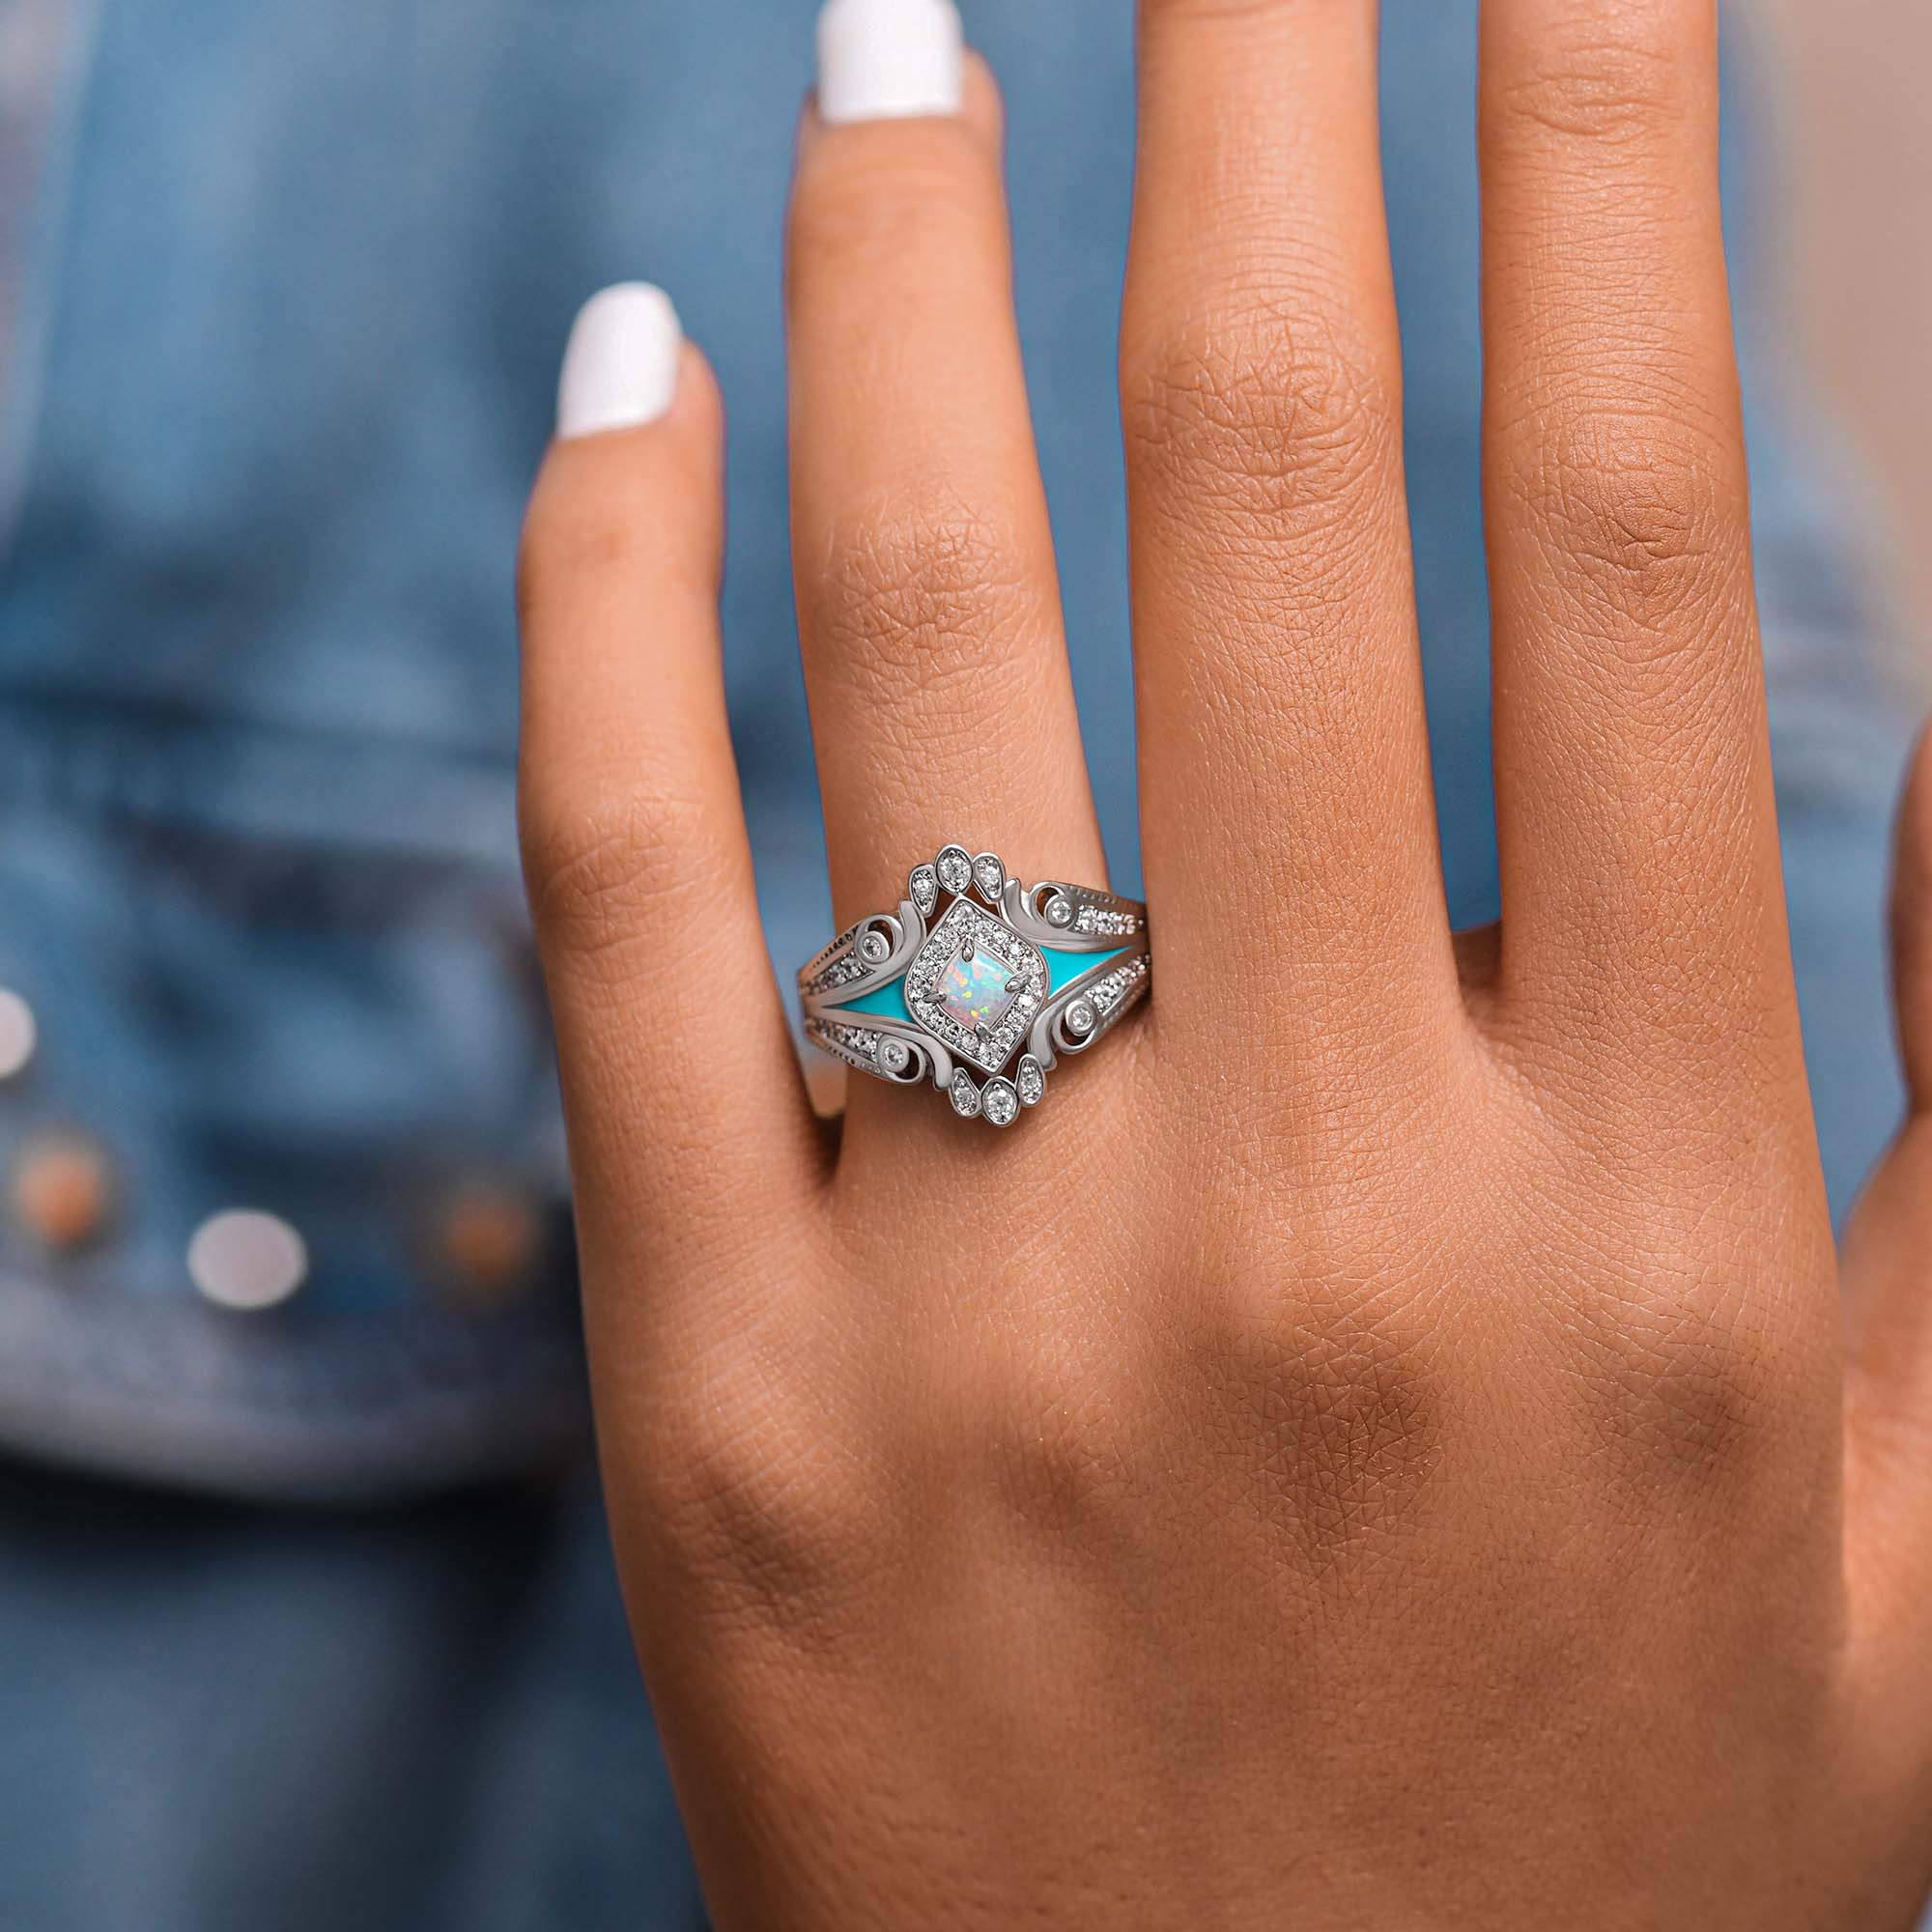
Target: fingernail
(881,60)
(620,370)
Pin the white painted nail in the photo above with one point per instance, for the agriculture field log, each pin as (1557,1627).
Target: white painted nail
(19,1034)
(881,60)
(620,370)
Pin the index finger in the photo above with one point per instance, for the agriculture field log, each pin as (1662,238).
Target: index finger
(682,1089)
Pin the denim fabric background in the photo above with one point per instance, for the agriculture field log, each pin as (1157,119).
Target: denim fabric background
(280,372)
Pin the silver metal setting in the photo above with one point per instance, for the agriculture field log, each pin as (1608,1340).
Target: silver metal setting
(967,948)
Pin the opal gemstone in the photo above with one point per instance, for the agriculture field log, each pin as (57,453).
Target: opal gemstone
(977,992)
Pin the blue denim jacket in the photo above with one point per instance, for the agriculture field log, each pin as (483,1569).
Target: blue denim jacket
(305,1617)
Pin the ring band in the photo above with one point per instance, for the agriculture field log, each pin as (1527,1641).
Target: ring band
(977,975)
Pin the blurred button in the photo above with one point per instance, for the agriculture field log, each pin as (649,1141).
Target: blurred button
(18,1035)
(489,1242)
(63,1190)
(247,1261)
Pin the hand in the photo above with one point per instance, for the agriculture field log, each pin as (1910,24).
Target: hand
(1378,1447)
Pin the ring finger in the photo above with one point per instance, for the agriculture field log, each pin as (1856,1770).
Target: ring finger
(929,603)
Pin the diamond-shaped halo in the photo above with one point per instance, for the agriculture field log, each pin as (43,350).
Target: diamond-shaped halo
(972,960)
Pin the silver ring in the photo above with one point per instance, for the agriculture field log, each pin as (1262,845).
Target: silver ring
(978,983)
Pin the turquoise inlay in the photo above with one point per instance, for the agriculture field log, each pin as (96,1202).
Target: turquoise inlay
(1061,967)
(888,1003)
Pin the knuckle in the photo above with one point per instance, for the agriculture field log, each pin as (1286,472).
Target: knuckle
(759,1501)
(1322,1428)
(1612,74)
(1637,504)
(1684,1397)
(863,209)
(611,530)
(920,595)
(1318,1346)
(1277,418)
(1693,1365)
(601,850)
(1342,1402)
(1054,1425)
(589,537)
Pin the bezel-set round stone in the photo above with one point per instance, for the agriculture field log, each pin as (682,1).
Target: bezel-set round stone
(875,949)
(1081,1017)
(1060,911)
(953,868)
(1001,1102)
(893,1056)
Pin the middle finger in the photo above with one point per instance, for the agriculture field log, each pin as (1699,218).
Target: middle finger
(1288,821)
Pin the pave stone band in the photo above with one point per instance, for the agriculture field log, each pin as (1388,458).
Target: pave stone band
(977,973)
